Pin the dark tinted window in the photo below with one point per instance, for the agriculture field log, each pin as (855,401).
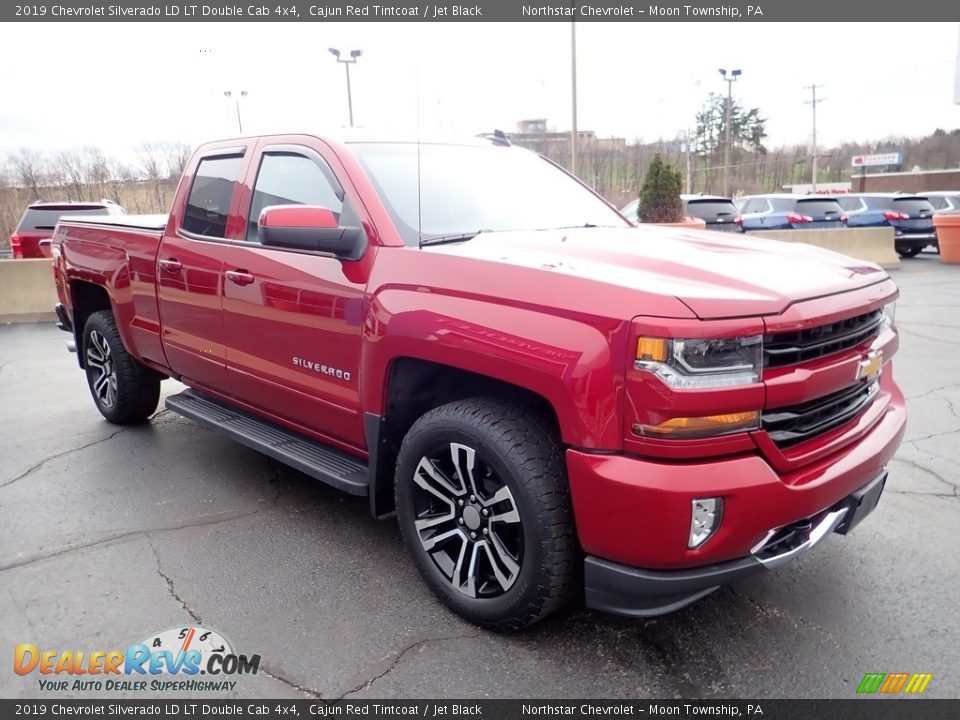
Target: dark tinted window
(755,205)
(912,206)
(46,218)
(818,206)
(878,202)
(710,209)
(291,179)
(850,203)
(209,201)
(782,204)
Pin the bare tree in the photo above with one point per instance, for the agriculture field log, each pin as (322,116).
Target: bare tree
(29,170)
(153,165)
(176,156)
(97,171)
(120,177)
(70,174)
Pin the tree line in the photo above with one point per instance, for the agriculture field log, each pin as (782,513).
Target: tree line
(142,184)
(145,183)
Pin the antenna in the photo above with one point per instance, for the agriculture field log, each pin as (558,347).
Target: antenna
(419,190)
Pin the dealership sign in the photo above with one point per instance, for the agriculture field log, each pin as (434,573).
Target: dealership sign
(891,158)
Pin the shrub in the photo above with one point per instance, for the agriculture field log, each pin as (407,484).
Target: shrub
(660,197)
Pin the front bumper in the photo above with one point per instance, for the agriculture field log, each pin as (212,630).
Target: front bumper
(615,588)
(633,513)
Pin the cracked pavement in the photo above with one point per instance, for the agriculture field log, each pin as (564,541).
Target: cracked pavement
(110,534)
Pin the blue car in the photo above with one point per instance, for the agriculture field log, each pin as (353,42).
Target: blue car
(910,216)
(788,212)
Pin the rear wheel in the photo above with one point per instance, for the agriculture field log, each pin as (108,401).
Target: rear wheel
(907,251)
(124,391)
(484,508)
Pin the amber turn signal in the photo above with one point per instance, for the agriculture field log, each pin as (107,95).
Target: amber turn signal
(704,426)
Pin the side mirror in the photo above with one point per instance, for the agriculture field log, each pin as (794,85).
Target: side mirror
(312,228)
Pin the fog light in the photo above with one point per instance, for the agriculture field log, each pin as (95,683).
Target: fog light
(704,520)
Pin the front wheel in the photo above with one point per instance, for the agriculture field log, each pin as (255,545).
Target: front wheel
(484,508)
(124,390)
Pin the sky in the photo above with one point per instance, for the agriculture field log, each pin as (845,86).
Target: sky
(117,85)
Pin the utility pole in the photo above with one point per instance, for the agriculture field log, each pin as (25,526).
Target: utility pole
(726,123)
(686,145)
(813,160)
(573,79)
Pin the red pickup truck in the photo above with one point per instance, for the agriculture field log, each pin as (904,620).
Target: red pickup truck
(548,398)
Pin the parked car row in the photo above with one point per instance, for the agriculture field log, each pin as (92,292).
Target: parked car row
(33,233)
(910,215)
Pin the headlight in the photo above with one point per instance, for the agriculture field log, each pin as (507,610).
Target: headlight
(710,363)
(890,313)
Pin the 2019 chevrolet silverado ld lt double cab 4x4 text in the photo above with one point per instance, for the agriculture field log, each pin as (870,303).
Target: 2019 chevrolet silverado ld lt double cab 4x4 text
(548,398)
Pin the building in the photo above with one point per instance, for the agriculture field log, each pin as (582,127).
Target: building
(534,135)
(915,181)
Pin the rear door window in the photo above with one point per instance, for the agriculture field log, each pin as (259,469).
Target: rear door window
(209,202)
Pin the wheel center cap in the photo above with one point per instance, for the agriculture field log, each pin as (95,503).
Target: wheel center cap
(471,517)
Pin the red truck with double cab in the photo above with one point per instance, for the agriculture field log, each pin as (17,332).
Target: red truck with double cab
(551,400)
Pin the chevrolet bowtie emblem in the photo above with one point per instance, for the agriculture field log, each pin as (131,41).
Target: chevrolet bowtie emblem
(870,366)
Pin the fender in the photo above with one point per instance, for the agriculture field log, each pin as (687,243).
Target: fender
(577,367)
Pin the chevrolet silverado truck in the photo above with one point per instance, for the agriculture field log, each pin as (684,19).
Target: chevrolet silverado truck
(550,400)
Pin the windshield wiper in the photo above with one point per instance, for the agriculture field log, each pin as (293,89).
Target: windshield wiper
(444,239)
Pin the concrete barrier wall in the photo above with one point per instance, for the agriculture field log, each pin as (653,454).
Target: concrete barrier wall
(27,291)
(871,244)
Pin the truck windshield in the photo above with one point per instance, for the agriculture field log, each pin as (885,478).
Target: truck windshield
(465,188)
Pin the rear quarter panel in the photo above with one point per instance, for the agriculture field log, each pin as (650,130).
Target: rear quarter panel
(123,262)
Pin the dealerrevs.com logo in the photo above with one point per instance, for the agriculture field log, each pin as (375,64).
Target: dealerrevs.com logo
(171,660)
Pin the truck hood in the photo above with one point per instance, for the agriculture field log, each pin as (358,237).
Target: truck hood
(715,275)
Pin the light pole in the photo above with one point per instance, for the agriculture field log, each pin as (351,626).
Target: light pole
(236,101)
(573,89)
(734,74)
(354,54)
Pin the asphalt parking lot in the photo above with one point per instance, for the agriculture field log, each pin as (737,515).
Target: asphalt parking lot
(110,534)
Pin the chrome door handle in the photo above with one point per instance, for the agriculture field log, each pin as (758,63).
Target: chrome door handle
(240,277)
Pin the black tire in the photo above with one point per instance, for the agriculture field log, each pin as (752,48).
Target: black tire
(514,448)
(124,391)
(907,251)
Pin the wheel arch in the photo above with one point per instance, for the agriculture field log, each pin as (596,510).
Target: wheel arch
(86,299)
(413,386)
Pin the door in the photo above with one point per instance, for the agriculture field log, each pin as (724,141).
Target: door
(190,274)
(293,319)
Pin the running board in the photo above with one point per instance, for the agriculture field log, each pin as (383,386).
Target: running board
(310,457)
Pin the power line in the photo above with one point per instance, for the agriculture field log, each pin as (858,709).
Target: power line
(813,103)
